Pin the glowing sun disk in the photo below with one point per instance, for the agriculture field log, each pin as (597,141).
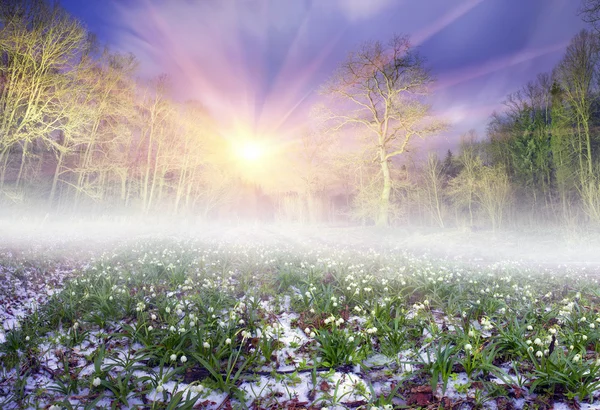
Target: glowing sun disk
(251,150)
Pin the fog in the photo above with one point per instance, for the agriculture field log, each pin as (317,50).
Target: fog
(81,238)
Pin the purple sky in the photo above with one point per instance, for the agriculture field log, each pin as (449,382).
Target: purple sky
(259,63)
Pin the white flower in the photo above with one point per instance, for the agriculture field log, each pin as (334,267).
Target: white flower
(228,341)
(529,327)
(312,334)
(173,357)
(150,328)
(160,388)
(537,341)
(183,359)
(153,317)
(553,330)
(307,330)
(351,339)
(197,389)
(584,337)
(96,382)
(206,345)
(539,353)
(468,347)
(576,358)
(27,338)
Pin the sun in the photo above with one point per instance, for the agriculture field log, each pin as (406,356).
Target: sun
(250,151)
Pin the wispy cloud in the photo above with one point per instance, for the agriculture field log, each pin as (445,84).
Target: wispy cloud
(355,10)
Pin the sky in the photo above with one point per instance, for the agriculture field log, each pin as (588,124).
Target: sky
(258,64)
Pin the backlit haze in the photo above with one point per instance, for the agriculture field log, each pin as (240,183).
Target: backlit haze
(257,65)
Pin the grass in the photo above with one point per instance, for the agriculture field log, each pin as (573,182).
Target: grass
(181,323)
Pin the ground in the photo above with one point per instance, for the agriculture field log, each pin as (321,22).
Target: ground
(172,315)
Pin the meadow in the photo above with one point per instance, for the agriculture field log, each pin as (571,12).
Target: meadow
(161,323)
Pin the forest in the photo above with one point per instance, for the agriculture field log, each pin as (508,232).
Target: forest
(81,131)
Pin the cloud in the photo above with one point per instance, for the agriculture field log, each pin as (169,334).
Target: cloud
(355,10)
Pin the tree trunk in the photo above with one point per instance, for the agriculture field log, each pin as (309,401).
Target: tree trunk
(59,162)
(384,200)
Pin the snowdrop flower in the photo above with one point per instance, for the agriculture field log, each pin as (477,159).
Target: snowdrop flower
(183,359)
(206,345)
(471,333)
(197,389)
(584,337)
(529,327)
(539,353)
(27,338)
(553,330)
(150,328)
(537,341)
(592,326)
(371,330)
(160,388)
(339,321)
(173,357)
(153,317)
(228,341)
(576,358)
(96,382)
(351,339)
(307,330)
(468,347)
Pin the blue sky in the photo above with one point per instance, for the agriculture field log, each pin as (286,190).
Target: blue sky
(261,62)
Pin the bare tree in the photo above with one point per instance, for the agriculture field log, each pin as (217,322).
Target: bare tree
(38,43)
(590,12)
(433,179)
(380,88)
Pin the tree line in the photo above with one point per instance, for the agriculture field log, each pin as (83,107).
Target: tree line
(79,130)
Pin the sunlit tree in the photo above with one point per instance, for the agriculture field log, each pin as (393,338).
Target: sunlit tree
(39,41)
(380,89)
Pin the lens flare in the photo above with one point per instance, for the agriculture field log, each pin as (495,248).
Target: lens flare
(251,151)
